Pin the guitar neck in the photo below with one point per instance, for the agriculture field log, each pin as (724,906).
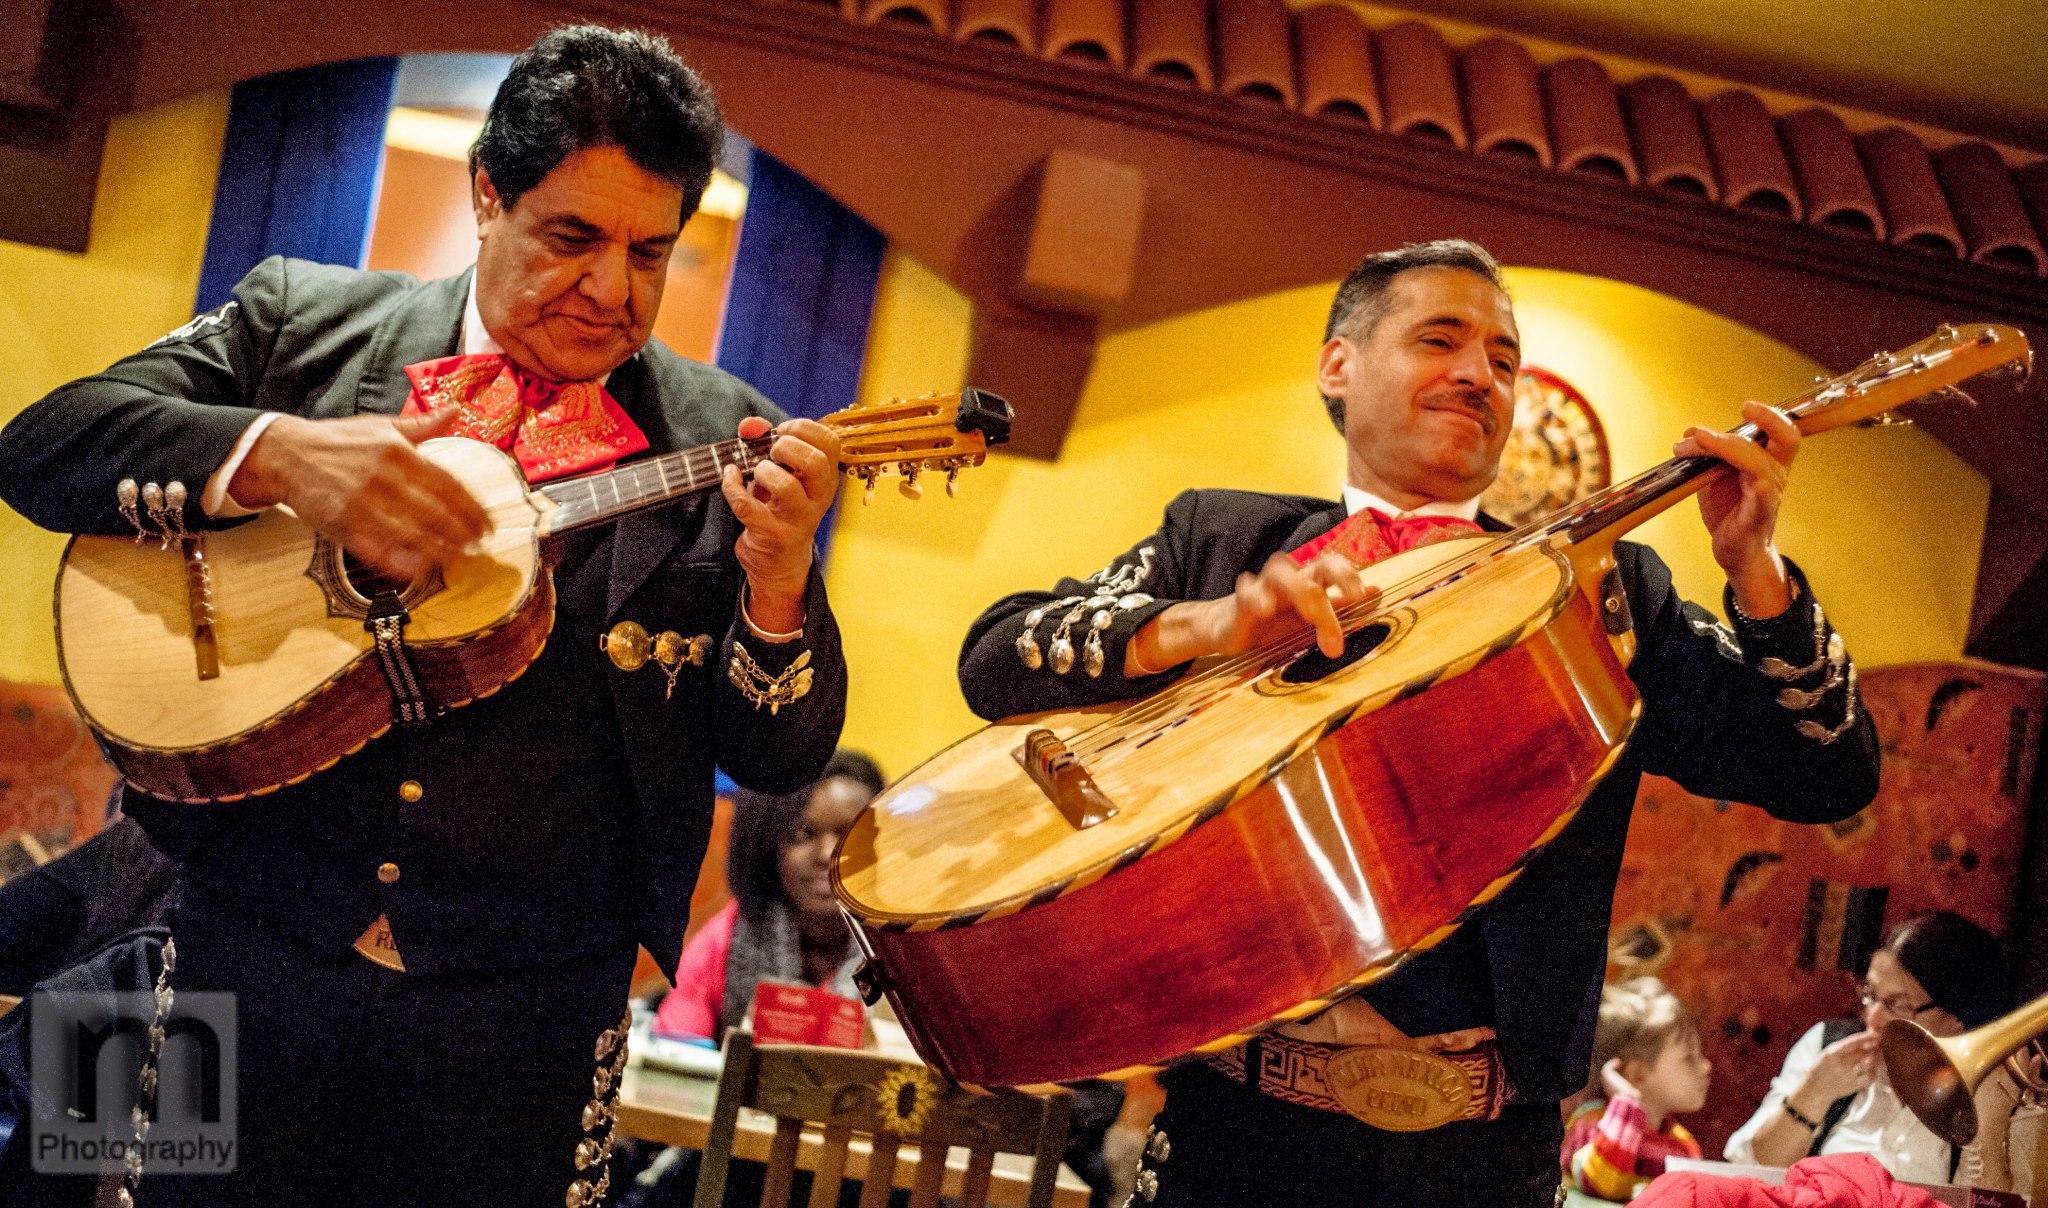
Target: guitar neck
(1929,369)
(603,497)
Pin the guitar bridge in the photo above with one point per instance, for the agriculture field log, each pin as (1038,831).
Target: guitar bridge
(1059,774)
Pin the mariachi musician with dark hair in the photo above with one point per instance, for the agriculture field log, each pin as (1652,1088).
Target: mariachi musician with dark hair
(430,942)
(1418,369)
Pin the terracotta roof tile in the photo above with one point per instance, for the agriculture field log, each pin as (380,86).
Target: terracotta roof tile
(1748,158)
(1901,172)
(1585,113)
(1087,32)
(1421,87)
(1988,209)
(1504,100)
(1669,146)
(1255,52)
(1338,76)
(1170,43)
(998,22)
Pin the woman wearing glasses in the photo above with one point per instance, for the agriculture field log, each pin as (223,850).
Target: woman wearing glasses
(1939,970)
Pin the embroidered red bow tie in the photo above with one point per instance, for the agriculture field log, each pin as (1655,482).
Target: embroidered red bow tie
(553,428)
(1368,535)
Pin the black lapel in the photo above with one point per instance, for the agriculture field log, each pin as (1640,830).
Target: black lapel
(1314,525)
(644,540)
(425,325)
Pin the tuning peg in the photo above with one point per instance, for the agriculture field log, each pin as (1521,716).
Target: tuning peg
(952,481)
(909,486)
(866,474)
(1947,394)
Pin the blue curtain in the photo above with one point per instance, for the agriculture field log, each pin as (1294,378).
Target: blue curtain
(796,312)
(299,170)
(803,289)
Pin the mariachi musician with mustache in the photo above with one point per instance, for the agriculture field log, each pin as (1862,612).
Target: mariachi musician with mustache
(431,941)
(1417,370)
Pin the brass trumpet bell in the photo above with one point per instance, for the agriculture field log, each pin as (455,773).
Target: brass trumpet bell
(1938,1079)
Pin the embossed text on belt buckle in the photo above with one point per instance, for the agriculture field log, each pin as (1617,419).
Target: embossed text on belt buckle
(1398,1090)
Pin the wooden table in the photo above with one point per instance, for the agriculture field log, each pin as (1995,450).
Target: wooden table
(675,1109)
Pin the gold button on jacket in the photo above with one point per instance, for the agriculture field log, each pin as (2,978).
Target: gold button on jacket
(411,791)
(387,873)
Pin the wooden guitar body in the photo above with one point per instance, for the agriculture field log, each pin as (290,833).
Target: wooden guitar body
(1101,891)
(1217,903)
(218,665)
(287,621)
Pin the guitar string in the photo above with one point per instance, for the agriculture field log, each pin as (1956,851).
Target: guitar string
(1143,715)
(1278,651)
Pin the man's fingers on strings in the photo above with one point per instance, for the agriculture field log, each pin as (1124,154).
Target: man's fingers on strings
(777,488)
(748,510)
(1781,434)
(1312,601)
(1742,455)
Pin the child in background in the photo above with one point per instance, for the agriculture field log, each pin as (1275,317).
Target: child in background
(1646,1054)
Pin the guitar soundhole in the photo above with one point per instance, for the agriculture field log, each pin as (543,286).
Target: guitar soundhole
(1315,665)
(351,585)
(369,582)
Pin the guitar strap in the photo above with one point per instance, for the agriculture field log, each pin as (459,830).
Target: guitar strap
(386,622)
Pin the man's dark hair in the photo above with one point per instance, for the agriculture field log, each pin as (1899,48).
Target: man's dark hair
(584,86)
(1362,301)
(765,823)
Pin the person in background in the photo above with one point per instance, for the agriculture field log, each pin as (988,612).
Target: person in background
(783,923)
(1938,970)
(1647,1061)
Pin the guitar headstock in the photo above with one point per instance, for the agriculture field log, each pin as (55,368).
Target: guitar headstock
(939,433)
(1926,370)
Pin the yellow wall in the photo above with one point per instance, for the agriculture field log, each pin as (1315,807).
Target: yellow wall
(1887,521)
(67,315)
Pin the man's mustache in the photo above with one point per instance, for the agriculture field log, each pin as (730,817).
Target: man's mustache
(1478,402)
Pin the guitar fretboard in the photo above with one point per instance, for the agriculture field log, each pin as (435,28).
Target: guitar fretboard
(597,498)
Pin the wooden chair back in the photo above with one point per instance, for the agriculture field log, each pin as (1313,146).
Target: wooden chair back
(845,1093)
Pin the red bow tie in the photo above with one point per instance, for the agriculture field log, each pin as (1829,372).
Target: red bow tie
(1366,536)
(552,428)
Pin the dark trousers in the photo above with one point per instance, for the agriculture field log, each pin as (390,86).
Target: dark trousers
(358,1085)
(1228,1146)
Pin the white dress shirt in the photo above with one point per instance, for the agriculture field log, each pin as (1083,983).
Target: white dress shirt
(1876,1122)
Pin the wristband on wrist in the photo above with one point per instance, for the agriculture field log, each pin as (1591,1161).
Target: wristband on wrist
(1812,1125)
